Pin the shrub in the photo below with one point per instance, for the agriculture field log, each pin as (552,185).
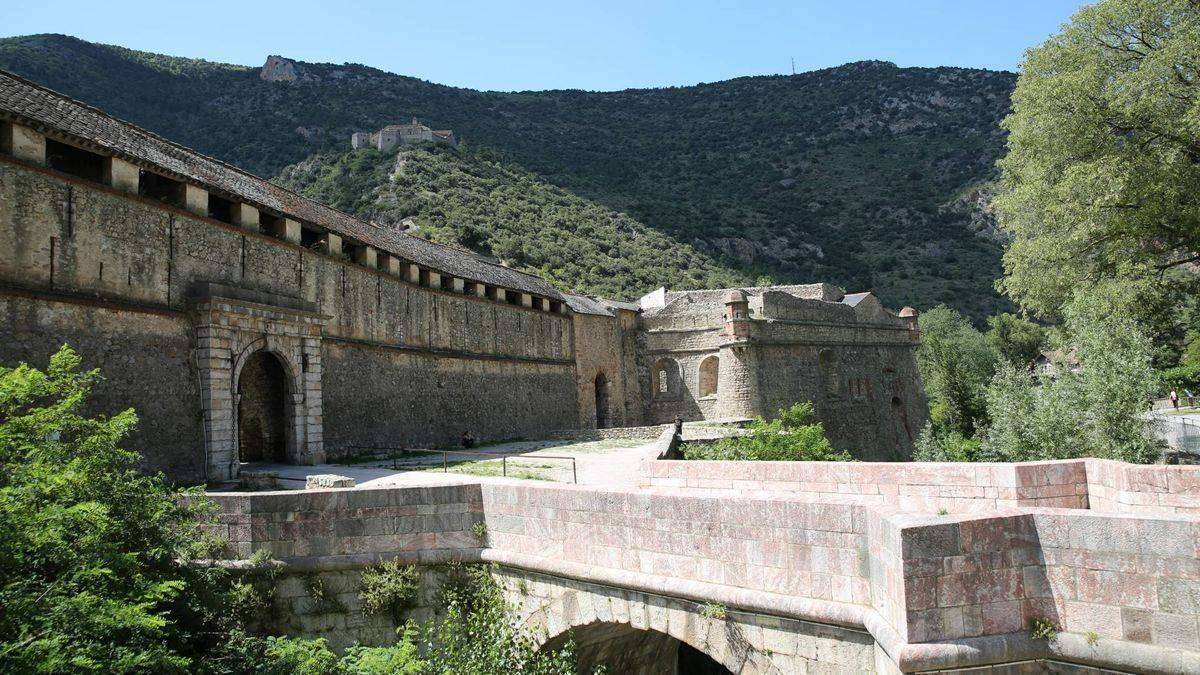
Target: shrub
(794,436)
(476,634)
(388,586)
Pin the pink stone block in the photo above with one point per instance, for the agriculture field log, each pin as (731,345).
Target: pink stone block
(1082,617)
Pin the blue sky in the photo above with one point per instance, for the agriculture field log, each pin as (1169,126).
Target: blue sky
(541,44)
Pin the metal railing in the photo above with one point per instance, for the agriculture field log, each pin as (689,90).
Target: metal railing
(395,454)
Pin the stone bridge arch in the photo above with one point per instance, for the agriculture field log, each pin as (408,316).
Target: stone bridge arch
(743,643)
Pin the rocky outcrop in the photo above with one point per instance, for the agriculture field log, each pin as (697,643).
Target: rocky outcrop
(279,69)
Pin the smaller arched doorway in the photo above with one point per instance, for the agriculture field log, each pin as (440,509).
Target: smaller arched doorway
(262,409)
(710,369)
(601,391)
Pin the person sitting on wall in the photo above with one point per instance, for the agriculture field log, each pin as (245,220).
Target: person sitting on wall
(468,441)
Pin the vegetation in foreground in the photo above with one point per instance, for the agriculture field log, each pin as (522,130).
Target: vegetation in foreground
(793,436)
(102,568)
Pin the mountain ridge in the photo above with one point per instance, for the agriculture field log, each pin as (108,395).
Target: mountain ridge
(859,174)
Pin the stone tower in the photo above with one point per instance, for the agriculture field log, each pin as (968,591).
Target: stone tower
(738,395)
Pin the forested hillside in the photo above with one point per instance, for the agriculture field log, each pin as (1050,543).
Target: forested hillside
(866,175)
(473,198)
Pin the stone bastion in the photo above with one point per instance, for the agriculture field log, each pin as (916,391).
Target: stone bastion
(833,567)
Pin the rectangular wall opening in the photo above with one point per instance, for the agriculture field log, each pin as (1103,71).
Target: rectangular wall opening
(490,292)
(447,283)
(555,306)
(513,297)
(470,287)
(161,188)
(310,238)
(220,209)
(423,277)
(270,223)
(75,161)
(6,132)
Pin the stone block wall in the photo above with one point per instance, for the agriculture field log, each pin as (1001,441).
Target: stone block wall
(949,591)
(351,526)
(1129,488)
(1132,579)
(913,487)
(785,547)
(925,487)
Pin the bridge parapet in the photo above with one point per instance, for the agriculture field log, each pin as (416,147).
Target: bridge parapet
(927,487)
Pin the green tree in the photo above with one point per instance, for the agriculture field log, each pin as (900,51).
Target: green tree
(1099,411)
(1102,176)
(92,577)
(1017,340)
(956,363)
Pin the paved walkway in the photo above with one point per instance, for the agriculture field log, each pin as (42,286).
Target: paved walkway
(611,462)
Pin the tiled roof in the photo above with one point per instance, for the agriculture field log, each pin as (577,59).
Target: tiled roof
(581,304)
(35,106)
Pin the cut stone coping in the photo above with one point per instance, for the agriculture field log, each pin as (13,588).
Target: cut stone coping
(328,480)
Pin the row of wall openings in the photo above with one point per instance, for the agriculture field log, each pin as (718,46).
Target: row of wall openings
(91,166)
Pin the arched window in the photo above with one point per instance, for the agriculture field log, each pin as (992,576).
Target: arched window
(828,368)
(709,370)
(665,377)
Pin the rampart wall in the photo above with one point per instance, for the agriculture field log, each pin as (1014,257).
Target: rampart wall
(114,275)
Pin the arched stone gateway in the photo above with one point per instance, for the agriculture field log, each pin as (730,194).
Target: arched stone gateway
(258,360)
(635,632)
(263,415)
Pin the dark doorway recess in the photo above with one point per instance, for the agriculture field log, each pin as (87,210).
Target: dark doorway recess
(262,410)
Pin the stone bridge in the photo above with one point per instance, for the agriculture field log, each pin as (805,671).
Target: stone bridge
(784,567)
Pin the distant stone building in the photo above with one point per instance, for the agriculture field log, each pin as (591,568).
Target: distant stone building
(394,135)
(737,353)
(246,323)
